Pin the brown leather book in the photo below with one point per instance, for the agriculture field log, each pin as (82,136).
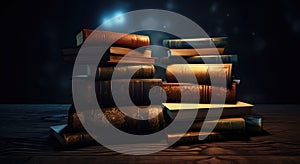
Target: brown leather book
(144,120)
(196,52)
(185,73)
(122,39)
(186,93)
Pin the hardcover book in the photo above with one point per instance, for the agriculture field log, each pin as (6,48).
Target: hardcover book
(218,42)
(196,52)
(203,59)
(240,109)
(189,93)
(69,139)
(122,39)
(140,120)
(202,72)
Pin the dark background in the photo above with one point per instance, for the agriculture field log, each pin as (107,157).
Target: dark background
(265,35)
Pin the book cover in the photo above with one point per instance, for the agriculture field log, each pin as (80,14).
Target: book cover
(196,52)
(69,139)
(193,137)
(193,93)
(138,71)
(112,55)
(240,109)
(142,120)
(122,39)
(202,72)
(203,59)
(138,90)
(218,42)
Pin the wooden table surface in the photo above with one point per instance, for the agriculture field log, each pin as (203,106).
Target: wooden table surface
(25,138)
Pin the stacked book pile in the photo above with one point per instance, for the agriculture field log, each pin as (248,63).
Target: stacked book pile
(131,60)
(133,65)
(189,66)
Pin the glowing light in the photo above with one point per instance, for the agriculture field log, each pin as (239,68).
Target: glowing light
(116,19)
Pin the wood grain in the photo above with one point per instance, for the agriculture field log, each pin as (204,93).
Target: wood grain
(25,138)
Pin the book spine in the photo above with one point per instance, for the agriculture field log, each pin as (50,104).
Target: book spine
(193,137)
(128,120)
(77,139)
(212,59)
(138,91)
(138,72)
(121,39)
(225,124)
(186,72)
(186,93)
(196,43)
(196,52)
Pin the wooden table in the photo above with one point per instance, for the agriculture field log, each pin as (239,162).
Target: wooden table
(25,138)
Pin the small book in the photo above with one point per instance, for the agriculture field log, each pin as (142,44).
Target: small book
(240,109)
(194,93)
(193,137)
(112,55)
(203,59)
(121,39)
(216,42)
(196,52)
(68,138)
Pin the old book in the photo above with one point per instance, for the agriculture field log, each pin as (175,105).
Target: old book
(143,52)
(216,42)
(202,72)
(193,137)
(221,125)
(138,90)
(131,59)
(122,39)
(194,93)
(68,138)
(196,52)
(139,71)
(240,109)
(133,56)
(203,59)
(140,120)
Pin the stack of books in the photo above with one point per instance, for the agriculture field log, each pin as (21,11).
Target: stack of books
(131,61)
(189,64)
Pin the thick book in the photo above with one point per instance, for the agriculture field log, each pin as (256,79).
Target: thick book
(240,109)
(69,139)
(127,91)
(194,93)
(196,52)
(226,129)
(112,55)
(216,42)
(223,124)
(121,71)
(185,73)
(142,52)
(138,90)
(125,71)
(130,59)
(193,137)
(203,59)
(121,39)
(138,120)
